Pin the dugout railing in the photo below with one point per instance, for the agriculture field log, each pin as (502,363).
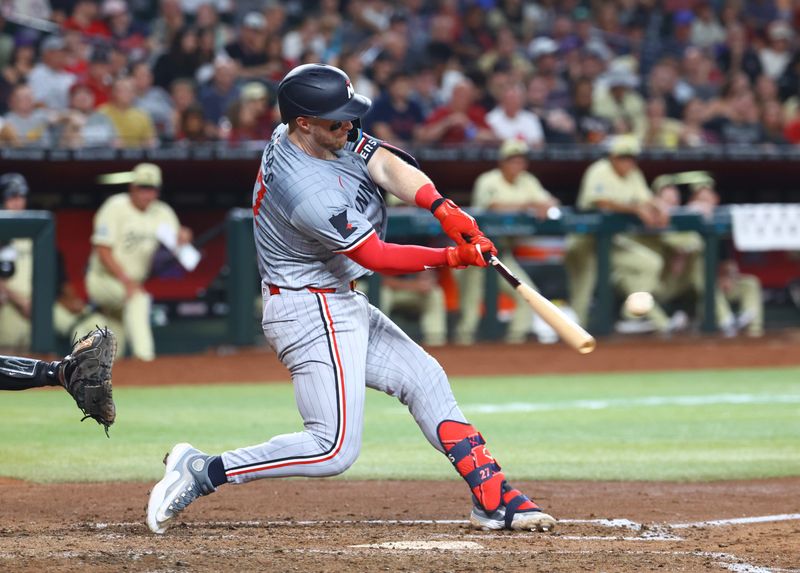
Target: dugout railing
(411,223)
(39,226)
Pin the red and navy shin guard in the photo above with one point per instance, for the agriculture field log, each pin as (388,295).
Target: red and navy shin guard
(466,449)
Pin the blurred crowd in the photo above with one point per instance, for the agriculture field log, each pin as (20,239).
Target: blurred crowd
(144,73)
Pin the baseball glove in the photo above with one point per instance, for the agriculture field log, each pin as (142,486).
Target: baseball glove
(86,374)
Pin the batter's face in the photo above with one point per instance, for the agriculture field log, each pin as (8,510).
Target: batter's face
(142,197)
(327,134)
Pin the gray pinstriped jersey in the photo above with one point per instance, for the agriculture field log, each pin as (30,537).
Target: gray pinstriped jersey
(308,212)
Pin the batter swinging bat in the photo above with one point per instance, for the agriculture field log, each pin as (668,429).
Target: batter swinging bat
(569,331)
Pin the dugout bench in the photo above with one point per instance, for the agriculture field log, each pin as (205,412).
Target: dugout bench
(410,223)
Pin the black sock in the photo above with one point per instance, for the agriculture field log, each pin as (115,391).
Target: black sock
(216,472)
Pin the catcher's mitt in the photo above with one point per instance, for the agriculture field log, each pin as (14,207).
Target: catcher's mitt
(86,374)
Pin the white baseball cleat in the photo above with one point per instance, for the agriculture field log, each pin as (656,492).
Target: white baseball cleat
(185,479)
(516,512)
(527,520)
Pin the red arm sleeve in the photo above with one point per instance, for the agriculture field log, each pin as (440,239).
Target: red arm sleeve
(394,259)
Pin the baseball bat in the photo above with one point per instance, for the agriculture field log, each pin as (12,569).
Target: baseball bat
(569,331)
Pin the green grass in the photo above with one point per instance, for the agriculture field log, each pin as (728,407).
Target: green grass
(546,427)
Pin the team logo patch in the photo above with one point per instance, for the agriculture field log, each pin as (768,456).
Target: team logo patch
(350,91)
(342,225)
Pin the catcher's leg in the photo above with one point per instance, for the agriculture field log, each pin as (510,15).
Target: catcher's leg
(400,367)
(18,373)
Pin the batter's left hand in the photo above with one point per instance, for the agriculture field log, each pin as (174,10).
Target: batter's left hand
(458,225)
(473,253)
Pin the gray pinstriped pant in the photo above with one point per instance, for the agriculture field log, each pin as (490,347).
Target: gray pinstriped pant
(335,346)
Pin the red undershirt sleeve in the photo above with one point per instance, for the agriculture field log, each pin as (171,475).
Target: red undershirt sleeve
(394,259)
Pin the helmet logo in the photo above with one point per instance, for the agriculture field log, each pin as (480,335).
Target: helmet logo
(350,91)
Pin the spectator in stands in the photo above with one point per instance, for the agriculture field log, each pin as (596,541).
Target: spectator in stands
(25,125)
(77,52)
(183,94)
(48,79)
(461,120)
(545,56)
(16,73)
(694,133)
(394,116)
(98,77)
(507,52)
(221,92)
(351,64)
(662,132)
(154,100)
(85,18)
(777,53)
(737,55)
(619,102)
(166,26)
(249,47)
(475,38)
(193,128)
(662,83)
(277,65)
(126,235)
(707,32)
(615,184)
(250,117)
(557,125)
(509,188)
(81,126)
(6,44)
(589,128)
(699,77)
(738,121)
(134,126)
(510,120)
(207,18)
(181,61)
(772,122)
(125,32)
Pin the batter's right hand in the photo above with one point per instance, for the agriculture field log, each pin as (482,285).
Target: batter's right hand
(470,254)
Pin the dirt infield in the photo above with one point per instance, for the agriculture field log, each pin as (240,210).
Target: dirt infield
(340,525)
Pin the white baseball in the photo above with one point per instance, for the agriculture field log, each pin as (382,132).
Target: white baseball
(639,303)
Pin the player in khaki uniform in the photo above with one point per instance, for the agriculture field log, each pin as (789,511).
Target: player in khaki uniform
(616,184)
(507,188)
(70,313)
(125,240)
(734,287)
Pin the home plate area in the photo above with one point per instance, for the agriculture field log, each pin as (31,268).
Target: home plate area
(426,545)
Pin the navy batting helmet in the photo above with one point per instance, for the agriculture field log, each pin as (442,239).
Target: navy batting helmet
(13,185)
(319,90)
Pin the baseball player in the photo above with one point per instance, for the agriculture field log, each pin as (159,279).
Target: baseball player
(319,222)
(616,184)
(125,239)
(506,188)
(70,313)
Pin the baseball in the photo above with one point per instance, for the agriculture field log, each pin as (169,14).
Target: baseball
(639,303)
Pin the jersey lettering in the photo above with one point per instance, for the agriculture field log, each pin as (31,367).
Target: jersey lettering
(363,196)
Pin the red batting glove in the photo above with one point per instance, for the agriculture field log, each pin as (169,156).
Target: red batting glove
(470,253)
(457,224)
